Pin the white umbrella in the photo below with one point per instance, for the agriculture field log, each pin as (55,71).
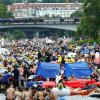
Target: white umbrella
(49,41)
(3,70)
(71,54)
(31,77)
(4,51)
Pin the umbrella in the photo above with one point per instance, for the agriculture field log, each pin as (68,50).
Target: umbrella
(71,54)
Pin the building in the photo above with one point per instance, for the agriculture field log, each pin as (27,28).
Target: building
(31,10)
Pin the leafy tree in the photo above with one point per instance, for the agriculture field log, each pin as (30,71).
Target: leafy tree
(9,36)
(75,0)
(18,34)
(77,14)
(90,23)
(3,12)
(9,15)
(6,2)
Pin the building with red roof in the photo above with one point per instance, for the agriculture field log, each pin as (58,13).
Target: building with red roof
(31,10)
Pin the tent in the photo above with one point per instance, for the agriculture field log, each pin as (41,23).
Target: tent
(48,70)
(79,69)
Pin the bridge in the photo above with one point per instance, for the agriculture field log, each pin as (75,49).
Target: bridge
(66,24)
(71,27)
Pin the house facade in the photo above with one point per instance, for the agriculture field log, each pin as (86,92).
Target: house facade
(31,10)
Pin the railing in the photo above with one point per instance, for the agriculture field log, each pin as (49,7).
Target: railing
(39,21)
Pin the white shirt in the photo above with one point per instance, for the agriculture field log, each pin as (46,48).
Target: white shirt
(61,92)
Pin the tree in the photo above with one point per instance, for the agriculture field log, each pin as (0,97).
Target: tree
(9,36)
(6,2)
(3,12)
(90,23)
(18,34)
(77,14)
(75,1)
(9,15)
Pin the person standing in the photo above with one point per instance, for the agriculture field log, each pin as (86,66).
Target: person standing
(27,94)
(15,74)
(18,94)
(10,93)
(39,95)
(60,92)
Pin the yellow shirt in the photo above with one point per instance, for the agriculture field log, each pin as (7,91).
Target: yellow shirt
(59,59)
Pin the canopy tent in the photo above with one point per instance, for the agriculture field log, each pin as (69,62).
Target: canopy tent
(48,70)
(79,69)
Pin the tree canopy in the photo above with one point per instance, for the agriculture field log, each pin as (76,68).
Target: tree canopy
(77,14)
(18,34)
(3,12)
(15,34)
(90,23)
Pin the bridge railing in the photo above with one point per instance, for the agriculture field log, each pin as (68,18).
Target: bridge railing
(39,21)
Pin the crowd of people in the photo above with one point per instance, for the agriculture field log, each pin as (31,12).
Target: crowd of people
(21,59)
